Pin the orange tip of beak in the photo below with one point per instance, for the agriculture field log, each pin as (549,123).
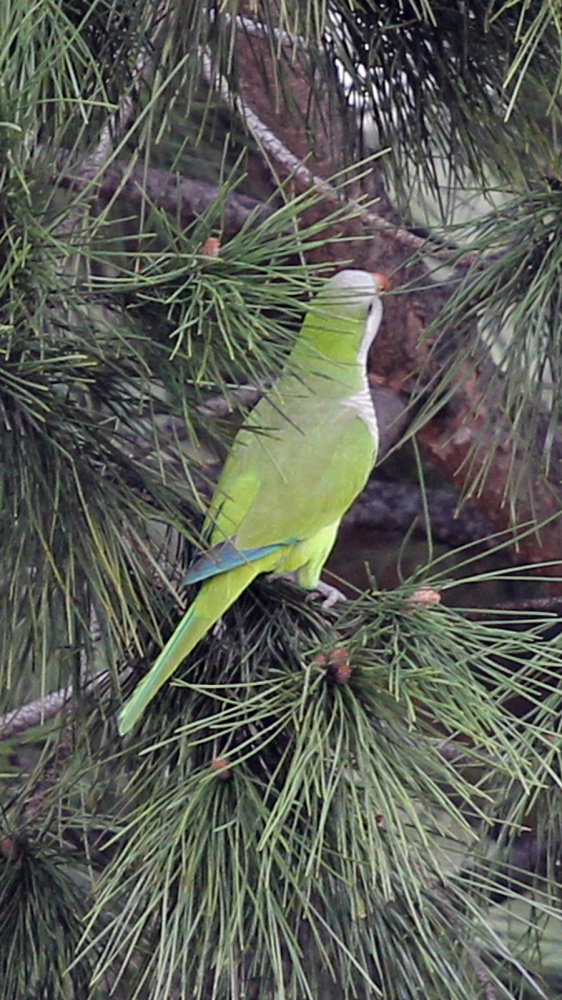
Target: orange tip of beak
(381,280)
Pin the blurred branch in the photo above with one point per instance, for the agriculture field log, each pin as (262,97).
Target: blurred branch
(552,604)
(470,442)
(244,398)
(35,713)
(186,199)
(183,198)
(41,710)
(402,507)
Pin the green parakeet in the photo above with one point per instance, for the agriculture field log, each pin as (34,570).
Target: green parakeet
(297,463)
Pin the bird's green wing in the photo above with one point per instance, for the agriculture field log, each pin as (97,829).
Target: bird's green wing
(293,477)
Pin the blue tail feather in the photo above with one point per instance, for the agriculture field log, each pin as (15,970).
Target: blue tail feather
(225,556)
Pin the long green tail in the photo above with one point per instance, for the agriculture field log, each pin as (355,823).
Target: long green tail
(214,598)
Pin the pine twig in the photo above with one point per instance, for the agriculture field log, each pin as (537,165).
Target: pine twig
(41,710)
(34,713)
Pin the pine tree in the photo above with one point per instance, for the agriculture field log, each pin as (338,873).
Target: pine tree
(355,802)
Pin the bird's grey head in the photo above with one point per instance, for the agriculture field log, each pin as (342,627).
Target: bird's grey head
(357,293)
(355,282)
(352,290)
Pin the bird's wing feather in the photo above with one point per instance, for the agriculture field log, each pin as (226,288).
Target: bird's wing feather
(286,483)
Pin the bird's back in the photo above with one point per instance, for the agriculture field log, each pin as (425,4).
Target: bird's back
(297,463)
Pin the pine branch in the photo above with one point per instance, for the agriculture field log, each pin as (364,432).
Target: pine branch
(36,712)
(183,198)
(42,710)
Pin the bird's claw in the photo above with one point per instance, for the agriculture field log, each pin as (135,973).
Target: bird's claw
(331,595)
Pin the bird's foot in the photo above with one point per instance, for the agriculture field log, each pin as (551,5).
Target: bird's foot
(331,595)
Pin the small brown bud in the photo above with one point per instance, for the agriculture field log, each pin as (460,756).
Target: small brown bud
(382,281)
(336,664)
(222,769)
(9,848)
(319,660)
(425,595)
(339,666)
(211,247)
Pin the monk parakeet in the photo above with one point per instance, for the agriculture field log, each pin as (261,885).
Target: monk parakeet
(297,463)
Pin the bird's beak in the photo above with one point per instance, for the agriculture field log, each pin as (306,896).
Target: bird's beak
(382,281)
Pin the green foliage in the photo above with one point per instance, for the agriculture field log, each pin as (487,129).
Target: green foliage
(41,910)
(298,823)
